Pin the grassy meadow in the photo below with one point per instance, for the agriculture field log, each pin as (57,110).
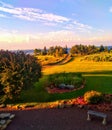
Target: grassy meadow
(77,65)
(98,77)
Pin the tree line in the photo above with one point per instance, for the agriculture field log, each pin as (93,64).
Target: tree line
(76,49)
(57,51)
(87,49)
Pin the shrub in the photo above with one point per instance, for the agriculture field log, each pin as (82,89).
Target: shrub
(65,78)
(93,97)
(17,71)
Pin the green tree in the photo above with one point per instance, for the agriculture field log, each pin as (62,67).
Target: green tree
(44,52)
(101,49)
(37,51)
(18,71)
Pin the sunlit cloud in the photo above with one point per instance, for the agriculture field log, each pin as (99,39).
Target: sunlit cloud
(82,28)
(31,14)
(53,38)
(3,16)
(110,10)
(59,30)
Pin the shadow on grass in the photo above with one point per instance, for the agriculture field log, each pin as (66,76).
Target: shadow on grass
(99,81)
(68,61)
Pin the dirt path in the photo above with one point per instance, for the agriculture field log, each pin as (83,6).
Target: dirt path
(57,119)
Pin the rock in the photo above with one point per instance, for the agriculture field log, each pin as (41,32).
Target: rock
(68,105)
(61,106)
(3,127)
(4,115)
(70,86)
(12,116)
(80,106)
(62,85)
(2,122)
(6,118)
(8,121)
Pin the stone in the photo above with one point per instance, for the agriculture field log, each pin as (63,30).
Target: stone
(70,86)
(80,106)
(4,115)
(61,106)
(4,127)
(2,122)
(12,116)
(8,121)
(62,85)
(5,119)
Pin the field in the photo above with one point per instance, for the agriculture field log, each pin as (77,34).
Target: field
(98,77)
(80,66)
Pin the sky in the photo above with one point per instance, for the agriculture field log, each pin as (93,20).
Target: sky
(30,24)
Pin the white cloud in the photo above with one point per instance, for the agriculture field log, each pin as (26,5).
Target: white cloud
(82,28)
(50,24)
(63,37)
(3,16)
(110,9)
(31,14)
(81,25)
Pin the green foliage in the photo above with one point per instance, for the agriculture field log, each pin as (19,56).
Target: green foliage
(17,71)
(37,51)
(57,51)
(93,97)
(49,60)
(84,49)
(66,78)
(106,57)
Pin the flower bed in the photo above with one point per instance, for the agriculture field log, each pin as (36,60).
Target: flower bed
(58,90)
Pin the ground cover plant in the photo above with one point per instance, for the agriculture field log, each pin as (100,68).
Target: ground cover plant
(104,56)
(65,80)
(49,59)
(93,97)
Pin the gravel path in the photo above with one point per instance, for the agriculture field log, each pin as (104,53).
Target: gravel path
(56,119)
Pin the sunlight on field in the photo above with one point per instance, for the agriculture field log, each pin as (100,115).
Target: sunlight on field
(45,60)
(79,66)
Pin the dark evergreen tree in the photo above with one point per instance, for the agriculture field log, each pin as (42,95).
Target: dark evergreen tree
(17,71)
(101,49)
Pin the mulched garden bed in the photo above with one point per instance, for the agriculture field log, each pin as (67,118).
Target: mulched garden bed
(59,90)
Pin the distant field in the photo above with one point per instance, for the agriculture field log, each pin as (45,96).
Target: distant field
(104,56)
(48,59)
(77,65)
(52,60)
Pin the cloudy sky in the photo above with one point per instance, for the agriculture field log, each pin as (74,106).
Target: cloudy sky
(29,24)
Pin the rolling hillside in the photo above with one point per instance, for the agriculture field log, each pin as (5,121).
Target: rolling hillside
(79,65)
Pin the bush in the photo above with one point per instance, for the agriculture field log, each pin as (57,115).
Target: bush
(65,78)
(93,97)
(18,71)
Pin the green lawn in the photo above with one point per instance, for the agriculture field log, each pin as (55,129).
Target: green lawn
(102,83)
(79,66)
(98,77)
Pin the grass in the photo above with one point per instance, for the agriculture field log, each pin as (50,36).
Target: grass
(98,77)
(79,66)
(101,83)
(50,60)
